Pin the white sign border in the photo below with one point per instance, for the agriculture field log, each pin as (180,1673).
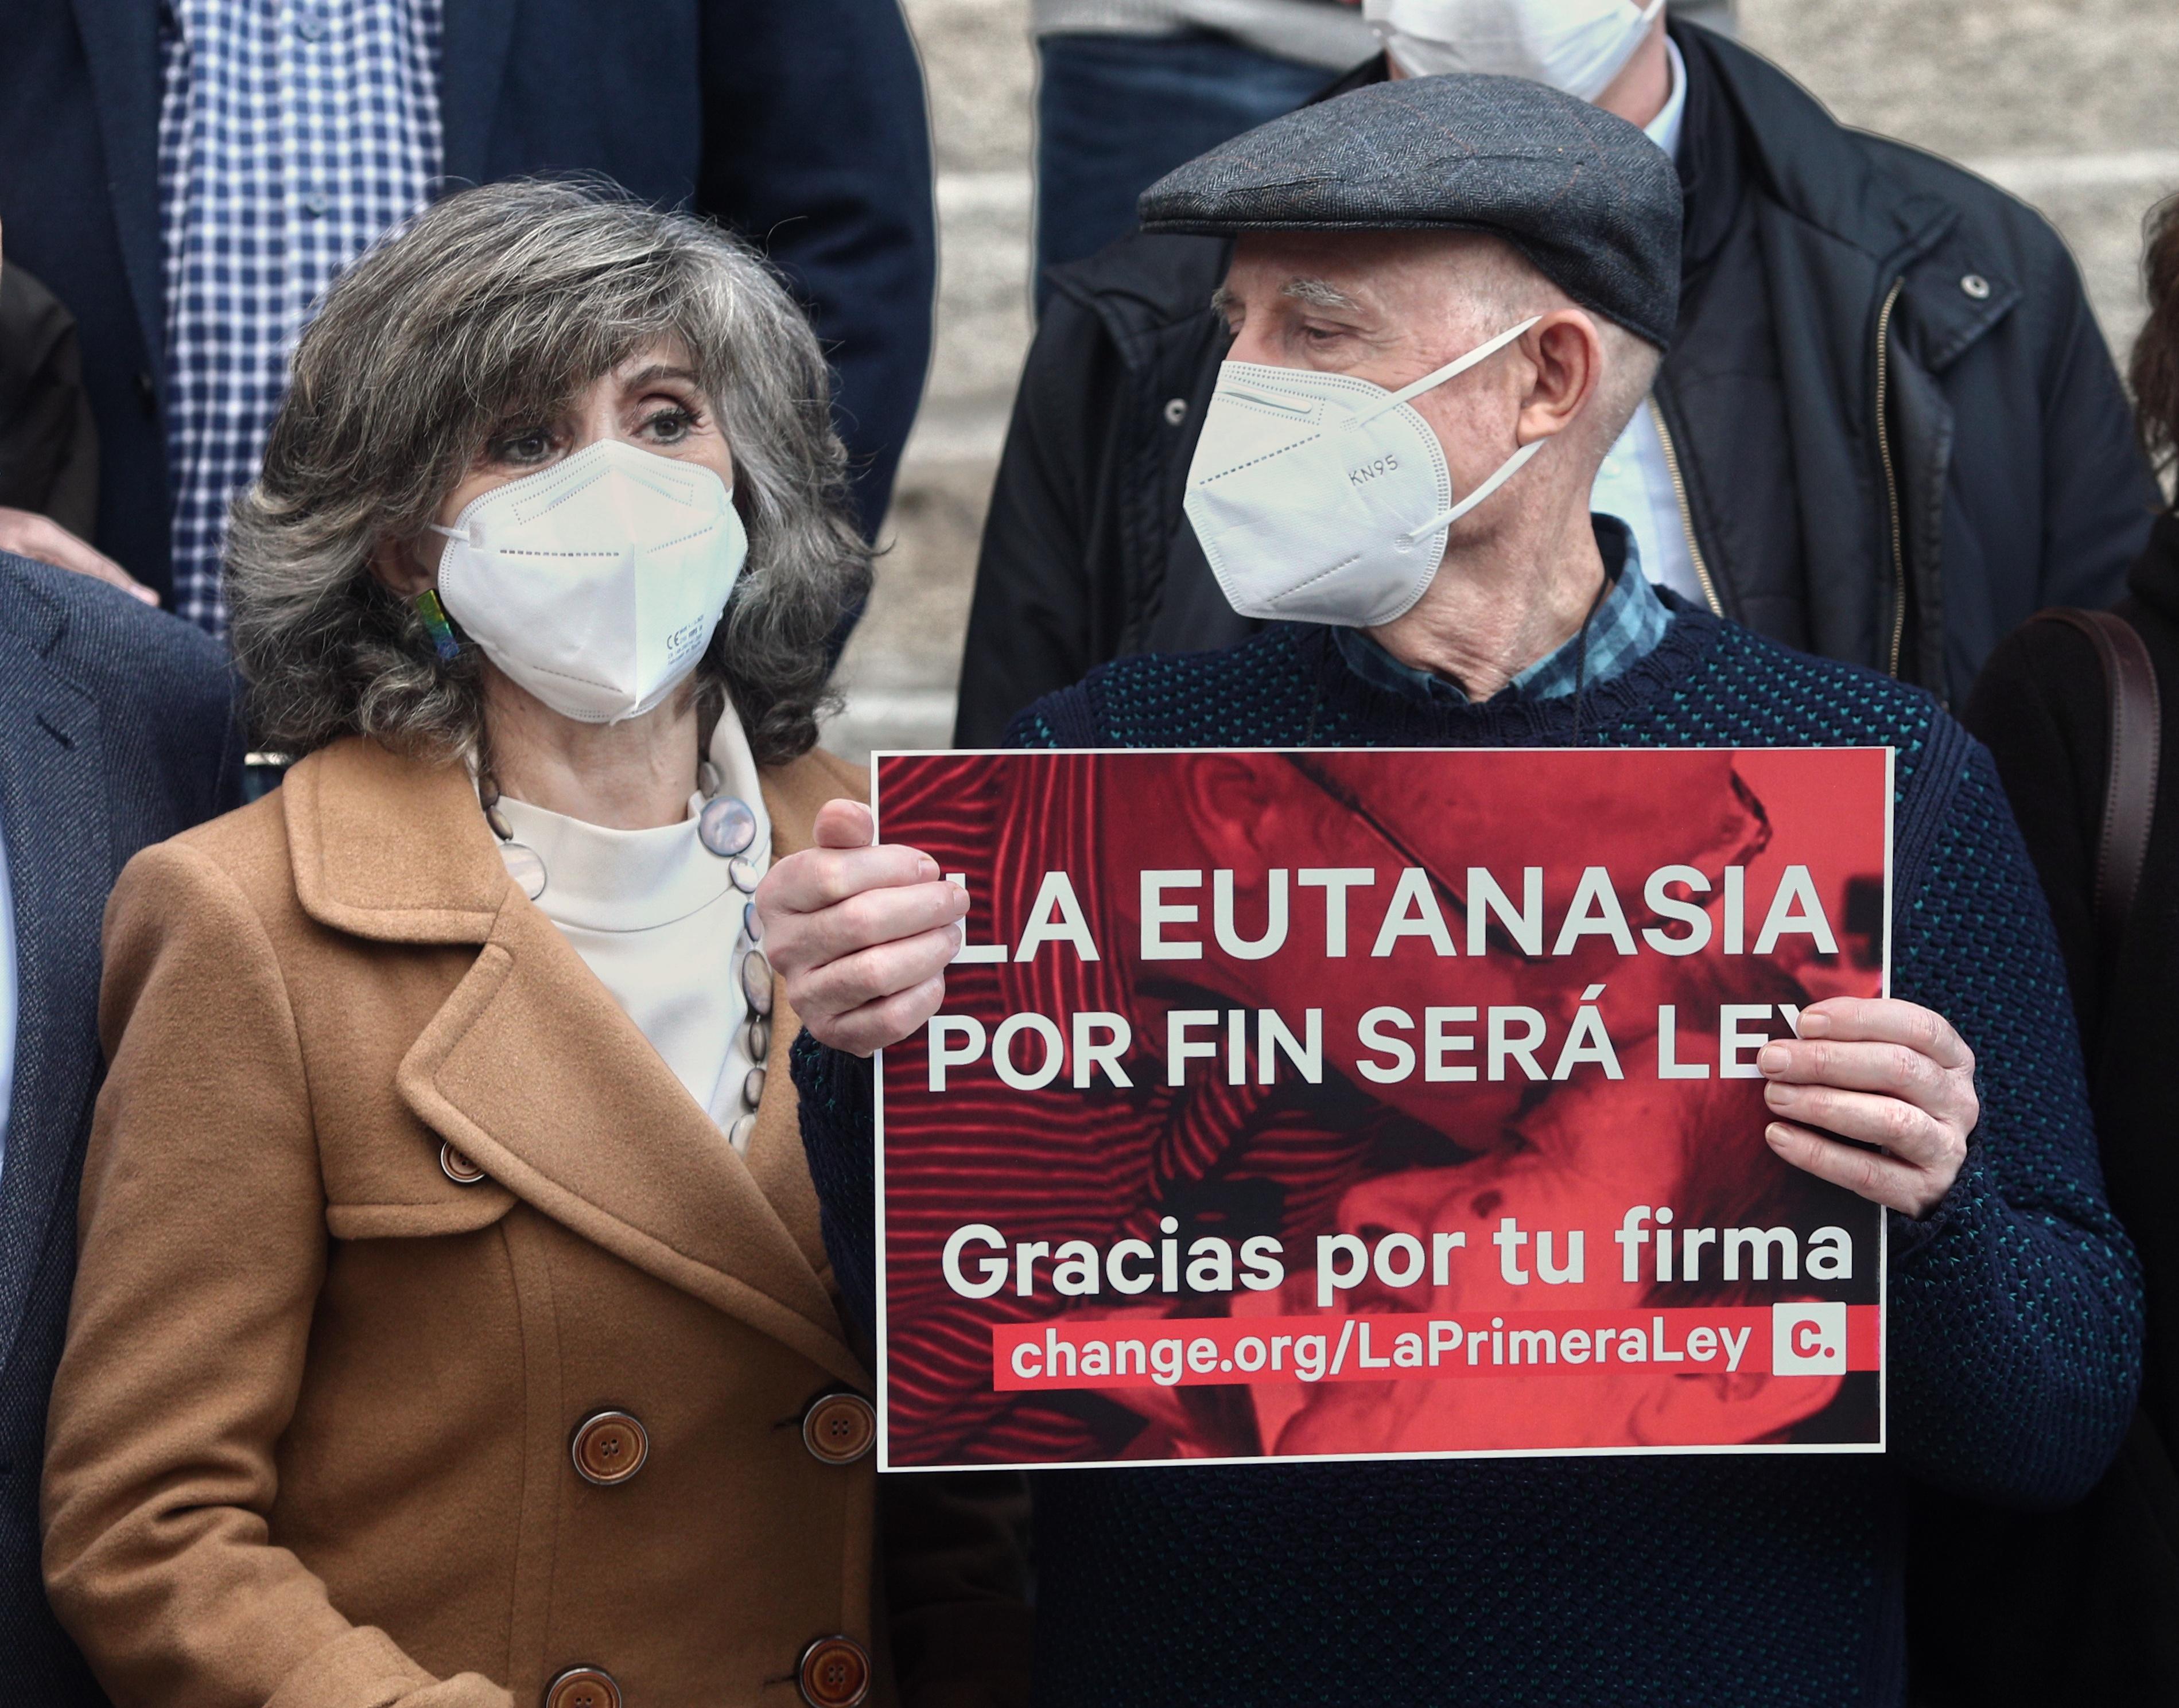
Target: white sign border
(1762,1449)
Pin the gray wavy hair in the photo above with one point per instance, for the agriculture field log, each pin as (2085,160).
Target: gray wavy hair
(502,303)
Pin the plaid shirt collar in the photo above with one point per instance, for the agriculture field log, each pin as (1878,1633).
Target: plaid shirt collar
(1624,627)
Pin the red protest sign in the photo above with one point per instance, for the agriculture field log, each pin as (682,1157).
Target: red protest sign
(1357,1103)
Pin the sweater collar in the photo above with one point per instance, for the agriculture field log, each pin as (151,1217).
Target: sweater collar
(1344,709)
(603,879)
(1623,627)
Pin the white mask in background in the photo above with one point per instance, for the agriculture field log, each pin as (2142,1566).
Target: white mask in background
(1324,498)
(1576,46)
(596,583)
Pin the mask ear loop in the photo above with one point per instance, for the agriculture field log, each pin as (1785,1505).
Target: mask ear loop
(1481,353)
(1505,472)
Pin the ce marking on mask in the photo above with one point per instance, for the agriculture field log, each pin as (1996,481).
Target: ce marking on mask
(596,584)
(688,635)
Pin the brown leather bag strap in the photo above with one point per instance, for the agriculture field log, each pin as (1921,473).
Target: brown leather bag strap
(2136,737)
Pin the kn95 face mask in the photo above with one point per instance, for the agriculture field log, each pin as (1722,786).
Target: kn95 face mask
(596,583)
(1576,46)
(1324,498)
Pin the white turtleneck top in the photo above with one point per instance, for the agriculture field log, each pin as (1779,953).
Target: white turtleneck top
(655,915)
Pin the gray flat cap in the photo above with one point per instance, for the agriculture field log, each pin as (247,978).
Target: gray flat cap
(1586,197)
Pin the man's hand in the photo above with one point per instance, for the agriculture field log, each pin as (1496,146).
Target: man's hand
(29,534)
(1887,1073)
(860,936)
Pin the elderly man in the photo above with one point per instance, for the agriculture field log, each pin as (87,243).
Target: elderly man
(1433,350)
(1888,430)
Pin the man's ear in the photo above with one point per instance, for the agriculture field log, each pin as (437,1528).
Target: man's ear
(398,568)
(1565,359)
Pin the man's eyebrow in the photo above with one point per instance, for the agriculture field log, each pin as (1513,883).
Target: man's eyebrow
(1318,292)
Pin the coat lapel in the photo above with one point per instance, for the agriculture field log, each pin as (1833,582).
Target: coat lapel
(59,865)
(121,44)
(534,1072)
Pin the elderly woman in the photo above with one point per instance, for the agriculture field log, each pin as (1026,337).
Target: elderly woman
(453,1325)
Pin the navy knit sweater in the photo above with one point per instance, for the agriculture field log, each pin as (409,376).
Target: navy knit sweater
(2014,1323)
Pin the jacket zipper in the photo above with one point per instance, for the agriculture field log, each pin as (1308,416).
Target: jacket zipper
(1890,474)
(1687,512)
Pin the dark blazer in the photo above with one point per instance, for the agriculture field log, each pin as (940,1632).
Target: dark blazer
(116,730)
(1899,428)
(800,124)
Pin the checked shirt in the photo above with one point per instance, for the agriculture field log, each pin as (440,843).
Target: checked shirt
(293,133)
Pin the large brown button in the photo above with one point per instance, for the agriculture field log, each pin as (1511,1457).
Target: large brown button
(457,1168)
(583,1687)
(610,1447)
(835,1673)
(839,1428)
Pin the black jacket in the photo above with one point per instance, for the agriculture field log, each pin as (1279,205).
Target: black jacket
(116,731)
(2083,1605)
(48,444)
(1899,428)
(800,124)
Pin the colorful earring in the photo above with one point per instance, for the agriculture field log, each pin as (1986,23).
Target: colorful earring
(436,626)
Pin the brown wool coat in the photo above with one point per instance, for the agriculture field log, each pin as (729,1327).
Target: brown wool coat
(310,1439)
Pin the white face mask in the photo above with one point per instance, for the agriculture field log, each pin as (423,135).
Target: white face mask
(596,583)
(1577,46)
(1323,498)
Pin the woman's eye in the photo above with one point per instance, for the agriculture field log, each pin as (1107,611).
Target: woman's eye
(529,445)
(670,426)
